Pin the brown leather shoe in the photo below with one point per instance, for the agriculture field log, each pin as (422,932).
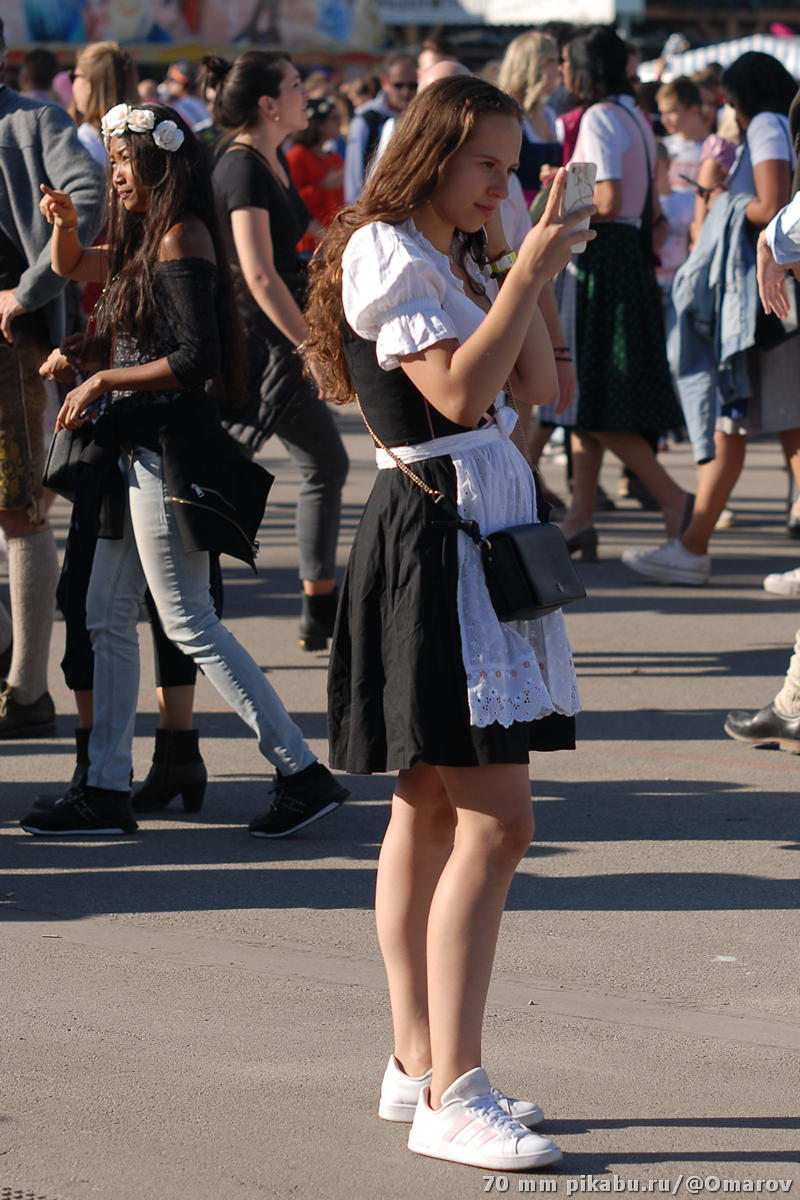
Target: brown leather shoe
(765,728)
(26,720)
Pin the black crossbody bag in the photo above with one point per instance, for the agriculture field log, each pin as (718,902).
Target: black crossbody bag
(528,568)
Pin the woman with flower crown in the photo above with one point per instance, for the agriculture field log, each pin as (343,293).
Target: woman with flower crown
(175,485)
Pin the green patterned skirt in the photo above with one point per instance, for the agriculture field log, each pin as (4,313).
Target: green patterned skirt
(623,376)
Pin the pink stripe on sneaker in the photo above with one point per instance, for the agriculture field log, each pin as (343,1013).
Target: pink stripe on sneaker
(456,1128)
(486,1136)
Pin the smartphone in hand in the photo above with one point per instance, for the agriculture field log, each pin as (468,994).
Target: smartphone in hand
(578,193)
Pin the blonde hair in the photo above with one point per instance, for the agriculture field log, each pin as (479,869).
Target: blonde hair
(112,76)
(521,71)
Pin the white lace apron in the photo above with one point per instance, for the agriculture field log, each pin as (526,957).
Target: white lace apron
(516,670)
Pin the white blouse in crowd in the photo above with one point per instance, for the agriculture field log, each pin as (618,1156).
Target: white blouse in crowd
(783,233)
(767,139)
(90,139)
(400,292)
(609,137)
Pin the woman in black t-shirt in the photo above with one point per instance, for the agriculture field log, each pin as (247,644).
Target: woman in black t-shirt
(260,100)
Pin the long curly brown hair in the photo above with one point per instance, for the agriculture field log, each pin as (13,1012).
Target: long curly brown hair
(431,130)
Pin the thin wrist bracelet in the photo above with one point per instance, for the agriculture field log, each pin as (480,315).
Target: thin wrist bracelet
(66,228)
(502,265)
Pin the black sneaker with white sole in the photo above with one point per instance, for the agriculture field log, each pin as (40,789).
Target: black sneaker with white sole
(298,800)
(83,810)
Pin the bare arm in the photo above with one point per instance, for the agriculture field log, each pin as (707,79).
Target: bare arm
(253,241)
(68,257)
(534,379)
(460,381)
(564,366)
(773,191)
(711,176)
(608,199)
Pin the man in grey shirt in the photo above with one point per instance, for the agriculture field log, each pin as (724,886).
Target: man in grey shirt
(38,144)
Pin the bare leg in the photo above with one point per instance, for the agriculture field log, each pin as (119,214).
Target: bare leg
(537,440)
(790,440)
(318,587)
(176,706)
(415,849)
(587,459)
(638,456)
(84,703)
(715,482)
(494,829)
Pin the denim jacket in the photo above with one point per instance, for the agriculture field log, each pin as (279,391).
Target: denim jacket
(715,296)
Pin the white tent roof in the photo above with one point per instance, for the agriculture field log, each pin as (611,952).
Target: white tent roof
(786,50)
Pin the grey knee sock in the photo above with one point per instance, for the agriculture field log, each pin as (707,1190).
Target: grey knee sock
(787,701)
(32,578)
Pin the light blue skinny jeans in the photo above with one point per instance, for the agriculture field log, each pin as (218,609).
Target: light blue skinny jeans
(151,554)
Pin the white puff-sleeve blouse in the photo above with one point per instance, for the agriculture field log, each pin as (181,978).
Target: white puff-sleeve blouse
(399,292)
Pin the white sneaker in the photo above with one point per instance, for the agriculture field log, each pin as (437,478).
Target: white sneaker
(471,1128)
(787,584)
(400,1093)
(671,563)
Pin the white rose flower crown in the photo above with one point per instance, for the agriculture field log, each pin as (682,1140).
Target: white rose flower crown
(122,118)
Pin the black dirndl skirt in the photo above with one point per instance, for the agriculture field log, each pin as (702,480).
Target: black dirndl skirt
(624,380)
(397,690)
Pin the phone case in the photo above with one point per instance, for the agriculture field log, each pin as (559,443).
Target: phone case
(579,192)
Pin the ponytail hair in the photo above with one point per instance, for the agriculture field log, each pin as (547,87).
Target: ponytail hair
(211,72)
(239,85)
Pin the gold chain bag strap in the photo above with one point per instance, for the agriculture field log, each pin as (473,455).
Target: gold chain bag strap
(528,569)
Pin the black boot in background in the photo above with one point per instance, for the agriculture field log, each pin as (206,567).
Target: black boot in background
(79,775)
(177,769)
(317,620)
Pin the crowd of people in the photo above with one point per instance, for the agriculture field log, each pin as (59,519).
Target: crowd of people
(190,268)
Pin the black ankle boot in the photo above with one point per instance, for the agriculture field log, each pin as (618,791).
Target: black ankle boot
(45,803)
(177,769)
(317,620)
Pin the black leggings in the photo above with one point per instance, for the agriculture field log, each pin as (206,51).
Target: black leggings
(173,668)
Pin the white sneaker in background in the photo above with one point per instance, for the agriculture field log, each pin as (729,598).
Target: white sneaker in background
(471,1128)
(400,1093)
(671,563)
(787,584)
(726,519)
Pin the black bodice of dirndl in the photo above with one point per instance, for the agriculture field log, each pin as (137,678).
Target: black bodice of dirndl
(396,410)
(397,691)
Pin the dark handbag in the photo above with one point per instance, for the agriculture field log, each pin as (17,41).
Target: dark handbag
(63,465)
(528,568)
(529,572)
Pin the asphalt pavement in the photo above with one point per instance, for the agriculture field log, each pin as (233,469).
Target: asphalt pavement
(193,1014)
